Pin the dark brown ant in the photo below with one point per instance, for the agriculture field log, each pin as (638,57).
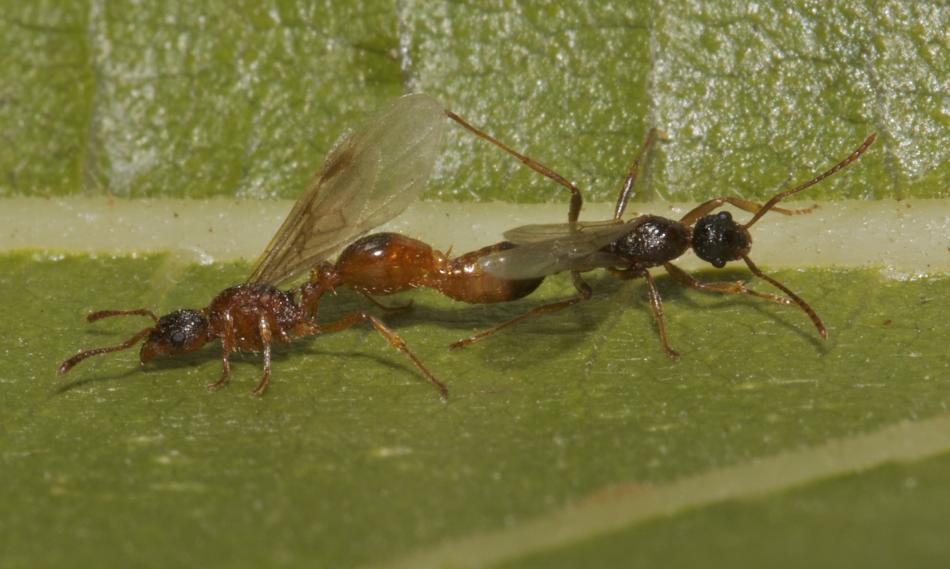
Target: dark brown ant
(628,249)
(370,177)
(388,263)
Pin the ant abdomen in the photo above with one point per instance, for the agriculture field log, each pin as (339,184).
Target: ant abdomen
(387,263)
(465,279)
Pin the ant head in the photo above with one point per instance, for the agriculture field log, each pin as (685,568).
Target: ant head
(718,239)
(175,333)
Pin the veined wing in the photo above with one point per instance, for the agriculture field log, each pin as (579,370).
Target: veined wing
(563,250)
(369,178)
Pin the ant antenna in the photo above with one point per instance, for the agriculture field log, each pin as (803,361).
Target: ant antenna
(834,170)
(801,303)
(107,313)
(71,362)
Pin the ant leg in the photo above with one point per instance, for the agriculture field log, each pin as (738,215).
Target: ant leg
(753,207)
(391,337)
(225,371)
(583,289)
(632,174)
(265,341)
(537,311)
(745,205)
(227,344)
(738,287)
(656,303)
(323,279)
(107,313)
(723,287)
(583,293)
(397,308)
(576,199)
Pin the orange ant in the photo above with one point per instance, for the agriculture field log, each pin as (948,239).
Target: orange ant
(369,178)
(629,249)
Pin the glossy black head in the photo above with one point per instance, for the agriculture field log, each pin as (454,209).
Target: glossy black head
(175,333)
(718,239)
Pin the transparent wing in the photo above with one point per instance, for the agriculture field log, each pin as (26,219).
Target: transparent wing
(369,178)
(547,231)
(564,250)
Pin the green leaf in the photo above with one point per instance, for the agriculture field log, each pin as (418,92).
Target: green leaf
(350,458)
(751,96)
(174,99)
(229,98)
(890,516)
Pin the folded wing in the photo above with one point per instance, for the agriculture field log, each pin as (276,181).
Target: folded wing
(369,178)
(552,248)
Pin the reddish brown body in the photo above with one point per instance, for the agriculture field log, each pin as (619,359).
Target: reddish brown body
(239,311)
(249,316)
(245,318)
(387,263)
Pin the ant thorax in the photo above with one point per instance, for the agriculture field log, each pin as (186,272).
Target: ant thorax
(243,306)
(653,241)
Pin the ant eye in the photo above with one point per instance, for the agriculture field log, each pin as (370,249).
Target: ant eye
(178,338)
(180,328)
(724,216)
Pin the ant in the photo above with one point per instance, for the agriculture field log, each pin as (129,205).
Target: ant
(629,249)
(369,178)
